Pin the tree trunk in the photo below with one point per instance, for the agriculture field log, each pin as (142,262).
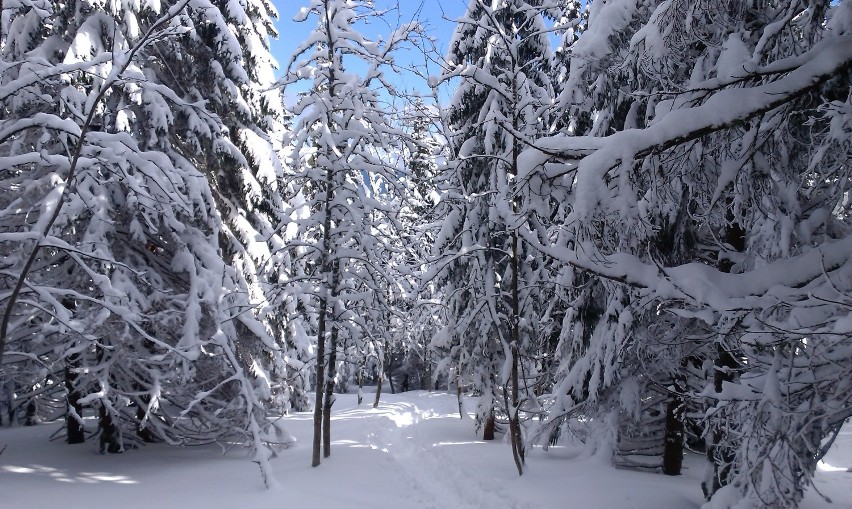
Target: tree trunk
(514,411)
(488,431)
(360,385)
(73,427)
(319,383)
(329,393)
(514,416)
(428,371)
(379,386)
(459,392)
(110,439)
(724,365)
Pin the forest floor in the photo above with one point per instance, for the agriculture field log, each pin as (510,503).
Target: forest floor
(413,451)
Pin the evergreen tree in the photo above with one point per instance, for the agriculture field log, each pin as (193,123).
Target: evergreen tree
(682,194)
(489,278)
(124,128)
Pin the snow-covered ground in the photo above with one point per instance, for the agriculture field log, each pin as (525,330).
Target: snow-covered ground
(411,452)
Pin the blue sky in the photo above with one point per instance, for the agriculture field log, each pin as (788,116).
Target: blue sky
(432,16)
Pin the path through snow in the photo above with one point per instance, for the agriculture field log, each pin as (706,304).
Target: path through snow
(412,452)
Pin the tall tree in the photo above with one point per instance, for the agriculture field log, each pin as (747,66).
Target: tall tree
(342,147)
(683,194)
(120,124)
(490,279)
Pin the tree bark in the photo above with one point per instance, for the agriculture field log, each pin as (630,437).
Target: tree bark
(329,393)
(360,385)
(319,384)
(459,392)
(674,438)
(110,437)
(379,386)
(488,430)
(514,411)
(73,427)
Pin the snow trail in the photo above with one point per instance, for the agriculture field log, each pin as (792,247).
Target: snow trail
(429,467)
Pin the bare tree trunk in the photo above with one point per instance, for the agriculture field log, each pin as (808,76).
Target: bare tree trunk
(329,393)
(379,386)
(319,383)
(110,439)
(514,416)
(360,384)
(459,392)
(488,430)
(73,427)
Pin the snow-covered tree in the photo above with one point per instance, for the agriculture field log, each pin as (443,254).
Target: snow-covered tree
(348,186)
(132,138)
(490,281)
(709,183)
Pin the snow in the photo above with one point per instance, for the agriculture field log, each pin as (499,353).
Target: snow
(412,451)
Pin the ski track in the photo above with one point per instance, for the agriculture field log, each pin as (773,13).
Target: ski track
(436,479)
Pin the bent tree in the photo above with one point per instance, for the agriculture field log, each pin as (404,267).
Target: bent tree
(113,159)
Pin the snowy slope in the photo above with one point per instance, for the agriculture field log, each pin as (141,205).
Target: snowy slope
(411,452)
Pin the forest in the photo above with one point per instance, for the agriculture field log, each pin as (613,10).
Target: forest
(629,224)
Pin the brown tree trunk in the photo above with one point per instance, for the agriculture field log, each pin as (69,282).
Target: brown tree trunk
(488,431)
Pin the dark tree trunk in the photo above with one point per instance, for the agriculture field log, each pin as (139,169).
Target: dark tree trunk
(514,411)
(360,385)
(319,383)
(488,430)
(73,427)
(674,438)
(379,387)
(458,392)
(329,393)
(110,436)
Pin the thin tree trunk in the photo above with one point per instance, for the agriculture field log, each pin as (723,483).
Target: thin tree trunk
(514,416)
(329,394)
(73,427)
(459,392)
(319,384)
(725,363)
(379,386)
(514,410)
(360,385)
(428,371)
